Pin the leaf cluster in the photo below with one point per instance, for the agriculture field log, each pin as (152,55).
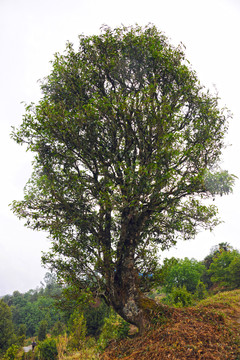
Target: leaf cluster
(125,141)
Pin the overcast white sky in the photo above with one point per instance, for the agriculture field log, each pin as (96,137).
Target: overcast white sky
(31,31)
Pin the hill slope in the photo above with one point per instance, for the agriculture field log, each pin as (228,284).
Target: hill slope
(210,331)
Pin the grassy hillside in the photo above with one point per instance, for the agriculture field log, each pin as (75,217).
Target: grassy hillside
(209,331)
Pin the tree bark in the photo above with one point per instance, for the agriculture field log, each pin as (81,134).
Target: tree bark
(127,299)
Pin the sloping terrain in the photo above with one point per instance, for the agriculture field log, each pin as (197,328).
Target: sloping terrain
(210,331)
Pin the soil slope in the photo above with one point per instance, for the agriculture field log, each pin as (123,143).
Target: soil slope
(209,331)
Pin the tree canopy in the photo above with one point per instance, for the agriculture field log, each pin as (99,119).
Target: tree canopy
(127,143)
(186,272)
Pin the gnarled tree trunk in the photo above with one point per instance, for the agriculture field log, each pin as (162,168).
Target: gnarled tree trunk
(126,297)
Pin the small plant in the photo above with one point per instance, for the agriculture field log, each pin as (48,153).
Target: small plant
(62,342)
(200,292)
(11,352)
(114,328)
(179,297)
(48,349)
(77,330)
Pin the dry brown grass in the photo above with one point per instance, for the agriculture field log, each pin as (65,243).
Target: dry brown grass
(209,331)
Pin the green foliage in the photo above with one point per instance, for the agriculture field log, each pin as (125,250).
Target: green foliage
(114,328)
(94,316)
(225,269)
(165,269)
(184,273)
(21,335)
(11,352)
(216,250)
(234,271)
(219,183)
(77,330)
(48,349)
(42,331)
(179,297)
(6,327)
(59,328)
(200,292)
(124,138)
(22,330)
(34,306)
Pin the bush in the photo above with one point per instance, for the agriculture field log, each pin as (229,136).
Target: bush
(11,352)
(77,329)
(42,331)
(179,297)
(201,292)
(114,328)
(48,349)
(62,342)
(58,329)
(95,316)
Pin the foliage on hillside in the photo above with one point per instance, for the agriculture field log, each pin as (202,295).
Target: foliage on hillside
(33,307)
(200,332)
(84,329)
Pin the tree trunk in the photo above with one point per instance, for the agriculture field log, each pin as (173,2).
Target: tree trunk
(127,299)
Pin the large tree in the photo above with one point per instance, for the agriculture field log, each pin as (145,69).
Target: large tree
(125,141)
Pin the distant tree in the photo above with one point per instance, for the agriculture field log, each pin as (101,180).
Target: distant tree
(218,249)
(185,273)
(234,271)
(52,289)
(225,269)
(126,141)
(34,306)
(58,329)
(6,327)
(42,331)
(215,251)
(22,329)
(166,268)
(200,292)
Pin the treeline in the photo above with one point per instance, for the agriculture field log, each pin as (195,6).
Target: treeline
(51,308)
(185,281)
(34,306)
(55,310)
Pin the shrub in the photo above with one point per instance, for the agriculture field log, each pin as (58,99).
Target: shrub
(179,297)
(58,329)
(200,292)
(77,328)
(48,349)
(95,316)
(42,331)
(11,352)
(114,328)
(62,342)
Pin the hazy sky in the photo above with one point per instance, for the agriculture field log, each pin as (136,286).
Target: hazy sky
(32,31)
